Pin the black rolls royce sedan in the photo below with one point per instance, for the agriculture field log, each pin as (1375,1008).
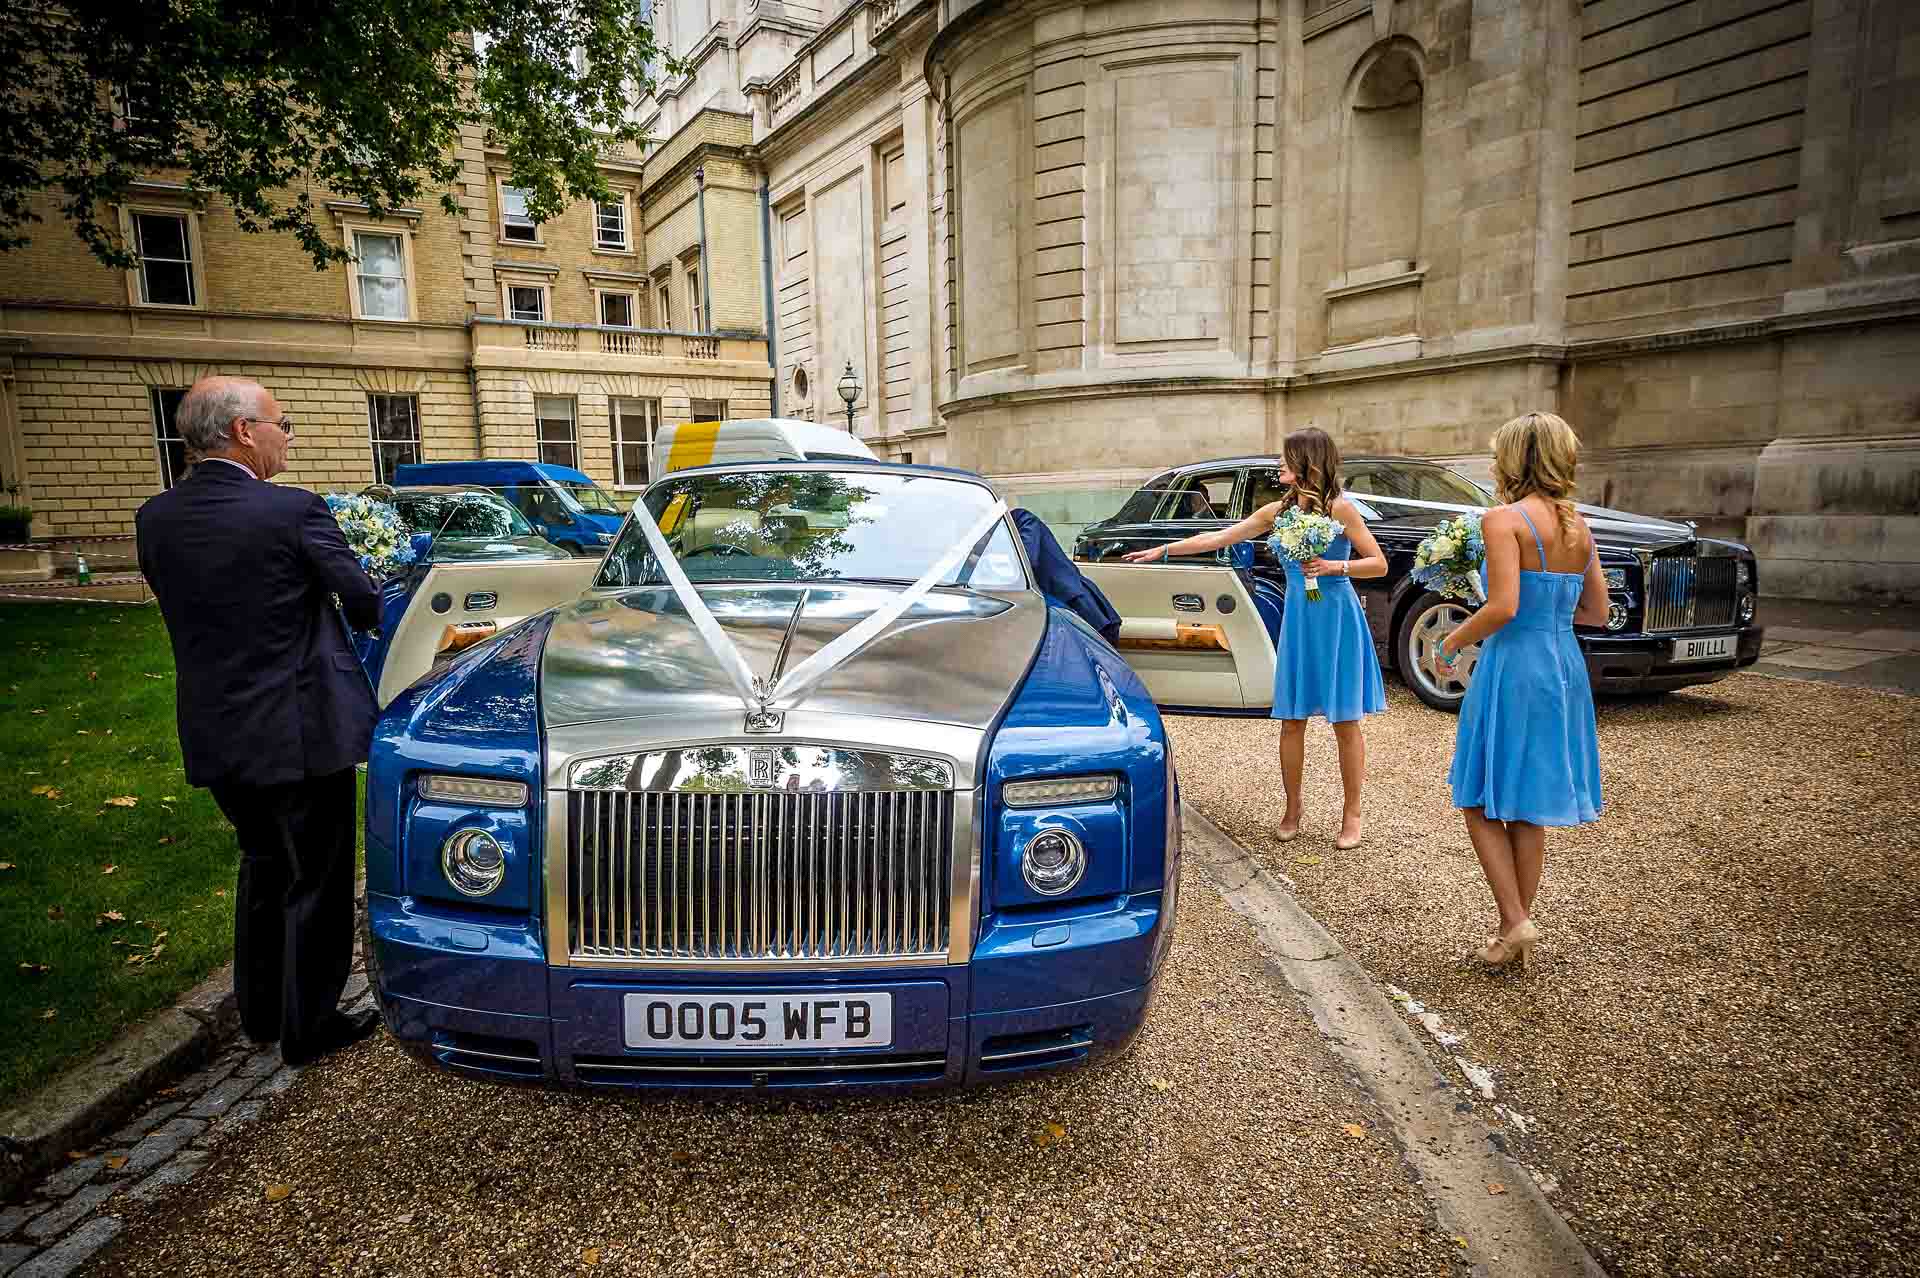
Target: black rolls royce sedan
(1682,614)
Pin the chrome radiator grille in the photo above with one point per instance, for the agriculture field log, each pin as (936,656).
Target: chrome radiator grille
(759,876)
(1685,592)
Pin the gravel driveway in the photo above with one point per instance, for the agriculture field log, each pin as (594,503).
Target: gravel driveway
(1220,1145)
(1721,1051)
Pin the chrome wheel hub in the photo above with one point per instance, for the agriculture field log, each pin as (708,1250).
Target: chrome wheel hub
(1433,625)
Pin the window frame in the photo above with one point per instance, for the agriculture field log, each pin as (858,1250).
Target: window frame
(540,439)
(162,422)
(720,416)
(375,440)
(650,421)
(501,187)
(600,296)
(698,317)
(506,302)
(196,256)
(663,298)
(1193,482)
(622,200)
(353,231)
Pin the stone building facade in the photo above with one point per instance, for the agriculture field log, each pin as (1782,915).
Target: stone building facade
(1067,242)
(449,338)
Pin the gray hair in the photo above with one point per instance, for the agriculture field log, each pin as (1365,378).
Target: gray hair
(206,414)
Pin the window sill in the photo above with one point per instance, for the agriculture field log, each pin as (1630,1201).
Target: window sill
(532,244)
(188,307)
(610,251)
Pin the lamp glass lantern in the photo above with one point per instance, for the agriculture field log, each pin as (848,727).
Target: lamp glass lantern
(849,389)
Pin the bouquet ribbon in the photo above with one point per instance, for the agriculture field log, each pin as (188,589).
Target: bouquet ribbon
(755,694)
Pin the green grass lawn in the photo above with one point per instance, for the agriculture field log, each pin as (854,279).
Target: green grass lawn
(116,877)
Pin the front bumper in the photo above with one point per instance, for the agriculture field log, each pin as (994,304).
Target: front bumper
(479,998)
(1642,663)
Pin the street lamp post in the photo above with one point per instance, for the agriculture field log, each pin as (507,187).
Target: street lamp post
(850,391)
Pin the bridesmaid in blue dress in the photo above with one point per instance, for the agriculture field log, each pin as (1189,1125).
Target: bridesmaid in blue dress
(1526,753)
(1324,664)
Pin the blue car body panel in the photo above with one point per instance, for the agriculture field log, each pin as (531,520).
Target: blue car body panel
(1048,982)
(589,532)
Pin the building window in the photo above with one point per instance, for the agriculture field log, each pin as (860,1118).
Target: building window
(167,443)
(527,303)
(1383,154)
(380,275)
(553,431)
(695,315)
(165,246)
(610,224)
(635,422)
(707,410)
(619,310)
(665,296)
(516,223)
(393,423)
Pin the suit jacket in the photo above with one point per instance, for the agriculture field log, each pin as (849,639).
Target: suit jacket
(268,689)
(1060,581)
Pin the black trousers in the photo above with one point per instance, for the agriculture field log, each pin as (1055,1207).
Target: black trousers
(293,919)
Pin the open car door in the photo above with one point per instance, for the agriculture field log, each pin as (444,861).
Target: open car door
(455,605)
(1192,633)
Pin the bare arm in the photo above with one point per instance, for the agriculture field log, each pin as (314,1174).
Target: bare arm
(1260,521)
(1370,562)
(1594,600)
(1501,529)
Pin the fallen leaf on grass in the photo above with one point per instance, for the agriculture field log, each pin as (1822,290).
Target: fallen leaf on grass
(50,1013)
(155,676)
(166,798)
(124,801)
(1306,860)
(39,712)
(81,732)
(41,789)
(110,916)
(93,674)
(1049,1134)
(6,865)
(108,869)
(219,891)
(55,913)
(1354,1130)
(277,1192)
(164,842)
(116,1162)
(35,969)
(1496,1188)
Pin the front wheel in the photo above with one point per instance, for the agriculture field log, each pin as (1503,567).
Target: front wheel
(1431,619)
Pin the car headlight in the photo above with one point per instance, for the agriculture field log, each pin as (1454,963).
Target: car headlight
(1743,573)
(481,792)
(473,861)
(1746,607)
(1616,579)
(1616,616)
(1053,861)
(1059,792)
(606,539)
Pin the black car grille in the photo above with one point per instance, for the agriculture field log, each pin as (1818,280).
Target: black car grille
(1687,592)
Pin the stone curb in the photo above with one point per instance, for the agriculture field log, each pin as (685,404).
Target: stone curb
(99,1094)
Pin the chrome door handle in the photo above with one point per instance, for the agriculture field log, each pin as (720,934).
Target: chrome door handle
(1189,603)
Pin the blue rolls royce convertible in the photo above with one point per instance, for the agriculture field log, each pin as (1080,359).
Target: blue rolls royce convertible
(808,786)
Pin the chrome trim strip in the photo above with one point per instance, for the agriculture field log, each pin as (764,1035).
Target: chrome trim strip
(1078,1045)
(964,898)
(553,851)
(830,1064)
(492,1056)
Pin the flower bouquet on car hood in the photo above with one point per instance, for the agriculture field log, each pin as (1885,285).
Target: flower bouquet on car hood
(374,532)
(1449,560)
(1300,536)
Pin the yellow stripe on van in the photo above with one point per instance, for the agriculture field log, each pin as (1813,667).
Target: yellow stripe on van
(693,445)
(670,519)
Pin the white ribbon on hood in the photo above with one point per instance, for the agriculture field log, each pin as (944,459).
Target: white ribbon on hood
(755,695)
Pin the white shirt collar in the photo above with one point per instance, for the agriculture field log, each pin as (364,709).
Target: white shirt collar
(231,462)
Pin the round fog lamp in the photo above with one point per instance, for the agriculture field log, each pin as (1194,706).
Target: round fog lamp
(474,862)
(1053,862)
(1746,607)
(1616,616)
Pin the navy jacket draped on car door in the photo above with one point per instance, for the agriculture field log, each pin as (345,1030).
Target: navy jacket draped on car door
(1060,581)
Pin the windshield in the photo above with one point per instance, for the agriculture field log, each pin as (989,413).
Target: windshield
(816,525)
(591,499)
(1418,483)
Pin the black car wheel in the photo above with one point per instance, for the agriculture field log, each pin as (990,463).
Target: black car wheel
(1431,619)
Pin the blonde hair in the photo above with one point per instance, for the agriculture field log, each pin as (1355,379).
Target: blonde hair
(1314,459)
(1537,453)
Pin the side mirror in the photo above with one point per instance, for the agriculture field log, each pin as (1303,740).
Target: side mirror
(1239,555)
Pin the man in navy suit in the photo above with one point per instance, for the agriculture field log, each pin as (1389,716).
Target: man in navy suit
(274,709)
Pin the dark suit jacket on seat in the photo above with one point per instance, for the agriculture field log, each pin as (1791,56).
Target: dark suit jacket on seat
(268,689)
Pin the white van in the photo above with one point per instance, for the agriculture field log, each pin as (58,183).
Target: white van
(752,440)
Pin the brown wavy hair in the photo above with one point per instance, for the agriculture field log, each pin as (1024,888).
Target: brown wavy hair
(1314,459)
(1538,453)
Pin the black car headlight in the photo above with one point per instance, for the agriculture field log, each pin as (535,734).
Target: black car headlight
(1616,579)
(1616,616)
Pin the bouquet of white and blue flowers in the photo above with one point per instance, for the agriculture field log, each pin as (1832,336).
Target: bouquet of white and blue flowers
(1449,559)
(1300,536)
(374,532)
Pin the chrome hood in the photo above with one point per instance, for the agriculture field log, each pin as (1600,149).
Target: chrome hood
(954,658)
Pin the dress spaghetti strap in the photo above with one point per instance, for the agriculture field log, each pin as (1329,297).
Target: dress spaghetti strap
(1537,543)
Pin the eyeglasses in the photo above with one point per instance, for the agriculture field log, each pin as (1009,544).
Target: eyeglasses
(284,422)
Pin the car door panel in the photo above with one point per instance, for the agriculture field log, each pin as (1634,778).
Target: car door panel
(517,589)
(1210,650)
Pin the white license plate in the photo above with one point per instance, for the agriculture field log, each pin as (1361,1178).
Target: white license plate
(757,1022)
(1710,648)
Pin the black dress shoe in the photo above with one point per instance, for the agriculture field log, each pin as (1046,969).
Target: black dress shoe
(337,1031)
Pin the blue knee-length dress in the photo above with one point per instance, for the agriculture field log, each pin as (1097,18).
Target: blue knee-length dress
(1324,664)
(1527,748)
